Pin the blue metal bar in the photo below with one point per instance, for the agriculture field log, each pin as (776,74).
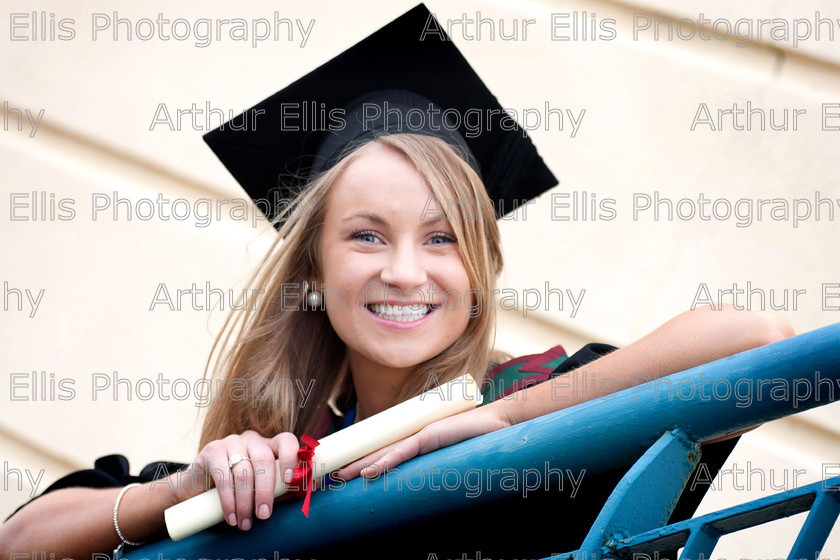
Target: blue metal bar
(730,520)
(700,544)
(706,402)
(817,525)
(646,495)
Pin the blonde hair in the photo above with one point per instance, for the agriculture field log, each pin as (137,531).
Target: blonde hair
(279,347)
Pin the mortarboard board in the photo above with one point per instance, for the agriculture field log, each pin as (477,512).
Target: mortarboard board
(406,77)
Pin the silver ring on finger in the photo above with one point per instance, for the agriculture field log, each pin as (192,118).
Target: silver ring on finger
(236,459)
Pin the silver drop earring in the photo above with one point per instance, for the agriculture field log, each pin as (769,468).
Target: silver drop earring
(313,297)
(314,300)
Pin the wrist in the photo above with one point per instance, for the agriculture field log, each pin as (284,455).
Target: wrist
(120,534)
(141,509)
(501,413)
(167,491)
(180,486)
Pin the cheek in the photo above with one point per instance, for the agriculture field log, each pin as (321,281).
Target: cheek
(335,267)
(473,300)
(455,275)
(454,280)
(347,280)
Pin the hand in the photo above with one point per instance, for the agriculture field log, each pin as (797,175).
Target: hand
(442,433)
(248,488)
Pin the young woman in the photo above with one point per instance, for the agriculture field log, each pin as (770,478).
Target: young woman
(397,246)
(358,234)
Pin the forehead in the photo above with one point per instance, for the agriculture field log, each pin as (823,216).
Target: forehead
(383,180)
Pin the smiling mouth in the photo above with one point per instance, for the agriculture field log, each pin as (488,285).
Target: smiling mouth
(401,313)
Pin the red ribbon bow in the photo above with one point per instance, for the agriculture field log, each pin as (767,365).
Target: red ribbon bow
(302,476)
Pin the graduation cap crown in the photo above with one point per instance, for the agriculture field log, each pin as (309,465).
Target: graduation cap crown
(406,77)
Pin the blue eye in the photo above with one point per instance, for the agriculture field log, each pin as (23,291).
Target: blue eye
(366,236)
(441,238)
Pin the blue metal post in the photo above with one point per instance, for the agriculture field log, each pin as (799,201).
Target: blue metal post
(646,496)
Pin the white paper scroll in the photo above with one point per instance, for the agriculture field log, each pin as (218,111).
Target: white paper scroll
(343,447)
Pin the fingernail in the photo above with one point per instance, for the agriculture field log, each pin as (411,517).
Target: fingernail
(363,472)
(287,476)
(231,519)
(263,512)
(246,524)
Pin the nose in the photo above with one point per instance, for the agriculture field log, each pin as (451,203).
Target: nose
(405,268)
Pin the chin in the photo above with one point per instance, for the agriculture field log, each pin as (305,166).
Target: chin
(403,363)
(403,360)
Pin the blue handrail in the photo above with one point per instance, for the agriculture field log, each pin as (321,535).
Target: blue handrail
(704,403)
(699,535)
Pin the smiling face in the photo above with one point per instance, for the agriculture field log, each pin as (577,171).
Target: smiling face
(396,287)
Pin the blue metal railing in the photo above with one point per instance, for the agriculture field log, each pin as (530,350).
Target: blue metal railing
(662,420)
(640,504)
(700,535)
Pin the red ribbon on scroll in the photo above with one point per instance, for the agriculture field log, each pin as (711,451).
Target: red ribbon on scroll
(302,476)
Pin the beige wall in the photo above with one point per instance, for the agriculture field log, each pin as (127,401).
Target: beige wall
(638,97)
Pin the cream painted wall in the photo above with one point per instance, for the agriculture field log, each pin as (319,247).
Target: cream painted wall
(635,99)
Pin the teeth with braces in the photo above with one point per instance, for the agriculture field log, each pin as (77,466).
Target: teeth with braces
(402,313)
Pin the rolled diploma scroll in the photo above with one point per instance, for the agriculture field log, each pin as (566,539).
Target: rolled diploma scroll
(342,448)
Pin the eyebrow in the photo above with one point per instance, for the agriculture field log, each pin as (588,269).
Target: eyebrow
(376,218)
(372,216)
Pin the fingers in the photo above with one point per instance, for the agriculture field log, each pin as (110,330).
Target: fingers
(284,447)
(386,458)
(353,470)
(242,482)
(438,434)
(394,455)
(265,473)
(214,461)
(243,469)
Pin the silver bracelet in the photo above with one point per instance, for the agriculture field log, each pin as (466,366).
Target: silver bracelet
(124,540)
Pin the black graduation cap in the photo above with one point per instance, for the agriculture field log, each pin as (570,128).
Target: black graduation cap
(411,74)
